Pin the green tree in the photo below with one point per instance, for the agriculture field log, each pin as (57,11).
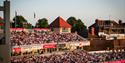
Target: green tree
(42,23)
(19,21)
(1,21)
(29,26)
(81,28)
(78,26)
(72,21)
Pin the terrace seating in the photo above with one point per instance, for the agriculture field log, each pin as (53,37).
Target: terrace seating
(28,38)
(77,56)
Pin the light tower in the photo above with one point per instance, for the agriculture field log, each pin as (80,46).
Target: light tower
(5,49)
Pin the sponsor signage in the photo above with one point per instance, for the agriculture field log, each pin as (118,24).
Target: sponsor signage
(16,29)
(17,50)
(49,46)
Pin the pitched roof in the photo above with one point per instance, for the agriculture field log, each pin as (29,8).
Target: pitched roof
(60,22)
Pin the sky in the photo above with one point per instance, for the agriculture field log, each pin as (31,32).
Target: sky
(86,10)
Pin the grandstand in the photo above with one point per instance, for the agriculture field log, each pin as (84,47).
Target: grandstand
(33,47)
(57,38)
(76,56)
(37,40)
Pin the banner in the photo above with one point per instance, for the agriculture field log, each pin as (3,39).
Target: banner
(16,29)
(17,50)
(49,46)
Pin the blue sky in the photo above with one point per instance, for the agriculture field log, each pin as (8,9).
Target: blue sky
(86,10)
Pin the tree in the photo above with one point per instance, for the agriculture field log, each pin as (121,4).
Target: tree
(72,20)
(19,21)
(78,26)
(81,28)
(29,26)
(42,23)
(1,21)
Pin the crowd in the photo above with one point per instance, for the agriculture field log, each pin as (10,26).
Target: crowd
(27,38)
(110,56)
(77,56)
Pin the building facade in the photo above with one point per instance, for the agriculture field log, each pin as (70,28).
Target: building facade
(108,28)
(60,25)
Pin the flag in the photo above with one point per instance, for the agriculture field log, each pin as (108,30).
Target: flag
(34,15)
(15,13)
(15,18)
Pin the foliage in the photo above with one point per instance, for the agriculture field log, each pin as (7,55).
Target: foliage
(72,21)
(78,26)
(42,23)
(19,19)
(21,22)
(1,21)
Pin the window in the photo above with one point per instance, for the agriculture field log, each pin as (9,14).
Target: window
(64,29)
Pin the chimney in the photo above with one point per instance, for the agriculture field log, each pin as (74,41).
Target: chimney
(120,21)
(97,21)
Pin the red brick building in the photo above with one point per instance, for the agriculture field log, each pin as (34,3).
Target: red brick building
(107,26)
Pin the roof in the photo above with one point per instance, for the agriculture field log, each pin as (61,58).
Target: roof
(106,22)
(60,22)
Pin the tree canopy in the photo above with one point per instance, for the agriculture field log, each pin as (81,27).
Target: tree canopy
(1,21)
(72,21)
(19,19)
(42,23)
(21,22)
(77,26)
